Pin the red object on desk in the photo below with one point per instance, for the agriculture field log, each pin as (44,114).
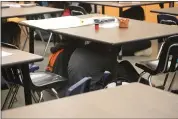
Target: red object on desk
(96,26)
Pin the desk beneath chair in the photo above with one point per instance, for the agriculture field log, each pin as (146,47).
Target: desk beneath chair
(21,59)
(128,101)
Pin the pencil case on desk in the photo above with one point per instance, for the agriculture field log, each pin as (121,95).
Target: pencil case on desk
(101,21)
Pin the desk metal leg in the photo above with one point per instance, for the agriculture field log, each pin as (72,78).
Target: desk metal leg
(120,12)
(120,54)
(31,40)
(26,83)
(95,8)
(171,4)
(103,9)
(31,37)
(120,15)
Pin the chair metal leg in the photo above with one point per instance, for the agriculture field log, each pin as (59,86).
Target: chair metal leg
(165,80)
(41,36)
(46,47)
(160,49)
(141,74)
(172,82)
(34,97)
(55,92)
(26,38)
(41,97)
(39,94)
(149,79)
(13,96)
(7,97)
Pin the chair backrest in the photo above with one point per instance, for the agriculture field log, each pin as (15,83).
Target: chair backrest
(169,55)
(167,19)
(11,33)
(86,6)
(81,86)
(76,10)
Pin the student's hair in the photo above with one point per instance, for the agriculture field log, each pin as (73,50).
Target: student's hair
(11,33)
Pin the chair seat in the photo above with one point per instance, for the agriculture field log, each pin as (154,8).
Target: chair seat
(33,67)
(150,66)
(44,80)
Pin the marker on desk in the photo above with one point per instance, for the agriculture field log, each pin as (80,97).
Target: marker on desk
(81,21)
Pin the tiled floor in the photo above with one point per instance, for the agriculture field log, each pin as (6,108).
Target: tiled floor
(39,47)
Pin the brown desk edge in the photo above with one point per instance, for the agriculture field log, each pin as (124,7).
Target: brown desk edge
(32,57)
(171,11)
(50,10)
(122,5)
(128,101)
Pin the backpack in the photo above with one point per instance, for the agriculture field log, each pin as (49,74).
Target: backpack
(52,59)
(127,73)
(60,55)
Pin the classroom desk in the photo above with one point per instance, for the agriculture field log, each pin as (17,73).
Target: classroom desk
(122,5)
(28,12)
(171,11)
(128,101)
(137,31)
(21,59)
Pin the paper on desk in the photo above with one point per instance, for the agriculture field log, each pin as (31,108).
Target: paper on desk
(3,54)
(109,25)
(56,23)
(62,22)
(104,25)
(12,5)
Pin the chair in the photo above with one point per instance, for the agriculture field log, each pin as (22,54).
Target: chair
(6,86)
(165,63)
(168,20)
(81,86)
(39,80)
(76,10)
(162,18)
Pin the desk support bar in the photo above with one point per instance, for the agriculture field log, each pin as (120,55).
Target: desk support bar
(26,83)
(46,47)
